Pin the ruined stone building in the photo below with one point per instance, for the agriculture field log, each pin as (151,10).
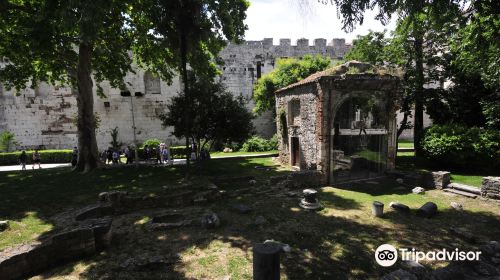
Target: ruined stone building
(44,116)
(340,122)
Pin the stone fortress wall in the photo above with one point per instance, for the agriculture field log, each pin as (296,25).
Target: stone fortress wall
(44,116)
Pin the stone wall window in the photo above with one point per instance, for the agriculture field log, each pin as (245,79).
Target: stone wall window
(259,69)
(151,83)
(294,112)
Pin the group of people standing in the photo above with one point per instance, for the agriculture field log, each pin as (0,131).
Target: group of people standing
(112,155)
(160,154)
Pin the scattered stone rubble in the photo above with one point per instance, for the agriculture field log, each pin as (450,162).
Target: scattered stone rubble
(418,190)
(88,230)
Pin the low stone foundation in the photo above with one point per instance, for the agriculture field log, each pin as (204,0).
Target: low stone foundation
(490,187)
(88,230)
(426,179)
(72,244)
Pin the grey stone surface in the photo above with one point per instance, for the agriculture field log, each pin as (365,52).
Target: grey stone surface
(490,187)
(310,106)
(418,190)
(441,179)
(399,207)
(94,211)
(457,206)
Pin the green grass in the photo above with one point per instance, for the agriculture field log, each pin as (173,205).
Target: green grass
(222,154)
(335,243)
(30,198)
(471,176)
(471,180)
(405,143)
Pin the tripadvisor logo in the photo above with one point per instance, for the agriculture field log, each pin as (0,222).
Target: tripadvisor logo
(387,255)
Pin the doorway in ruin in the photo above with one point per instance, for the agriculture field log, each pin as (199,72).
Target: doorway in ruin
(295,151)
(359,139)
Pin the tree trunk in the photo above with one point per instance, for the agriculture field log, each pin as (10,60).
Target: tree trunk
(87,144)
(418,129)
(187,114)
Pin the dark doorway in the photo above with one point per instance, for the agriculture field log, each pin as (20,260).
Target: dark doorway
(295,150)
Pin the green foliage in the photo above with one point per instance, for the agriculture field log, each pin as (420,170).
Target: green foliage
(171,34)
(258,144)
(491,111)
(477,43)
(219,116)
(47,156)
(369,48)
(287,72)
(114,139)
(153,142)
(452,145)
(7,140)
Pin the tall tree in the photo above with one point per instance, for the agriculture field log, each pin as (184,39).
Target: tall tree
(219,118)
(187,32)
(369,48)
(67,42)
(287,72)
(414,12)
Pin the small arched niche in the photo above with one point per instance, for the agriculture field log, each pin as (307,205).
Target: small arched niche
(151,83)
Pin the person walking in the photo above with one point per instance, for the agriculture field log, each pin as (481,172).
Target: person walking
(22,159)
(109,155)
(74,157)
(36,159)
(116,157)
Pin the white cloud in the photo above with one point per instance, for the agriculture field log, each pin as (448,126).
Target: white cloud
(285,19)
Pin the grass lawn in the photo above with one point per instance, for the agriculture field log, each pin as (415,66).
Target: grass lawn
(335,243)
(222,154)
(405,143)
(471,177)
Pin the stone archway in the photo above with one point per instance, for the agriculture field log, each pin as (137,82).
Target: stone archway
(359,136)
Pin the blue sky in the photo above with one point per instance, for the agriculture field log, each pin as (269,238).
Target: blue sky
(284,19)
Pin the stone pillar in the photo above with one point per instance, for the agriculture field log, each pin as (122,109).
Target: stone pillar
(266,261)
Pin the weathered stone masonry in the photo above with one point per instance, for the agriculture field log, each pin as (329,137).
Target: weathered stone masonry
(44,116)
(307,139)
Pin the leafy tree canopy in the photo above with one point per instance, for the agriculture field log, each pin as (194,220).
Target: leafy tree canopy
(219,116)
(287,72)
(369,48)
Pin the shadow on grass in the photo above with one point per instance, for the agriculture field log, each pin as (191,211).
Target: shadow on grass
(331,200)
(324,246)
(376,187)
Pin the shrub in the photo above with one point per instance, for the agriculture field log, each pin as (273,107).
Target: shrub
(453,145)
(47,156)
(258,144)
(151,142)
(7,141)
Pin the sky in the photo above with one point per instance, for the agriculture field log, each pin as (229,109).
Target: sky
(285,19)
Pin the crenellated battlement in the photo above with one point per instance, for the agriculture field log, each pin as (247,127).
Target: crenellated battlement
(300,43)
